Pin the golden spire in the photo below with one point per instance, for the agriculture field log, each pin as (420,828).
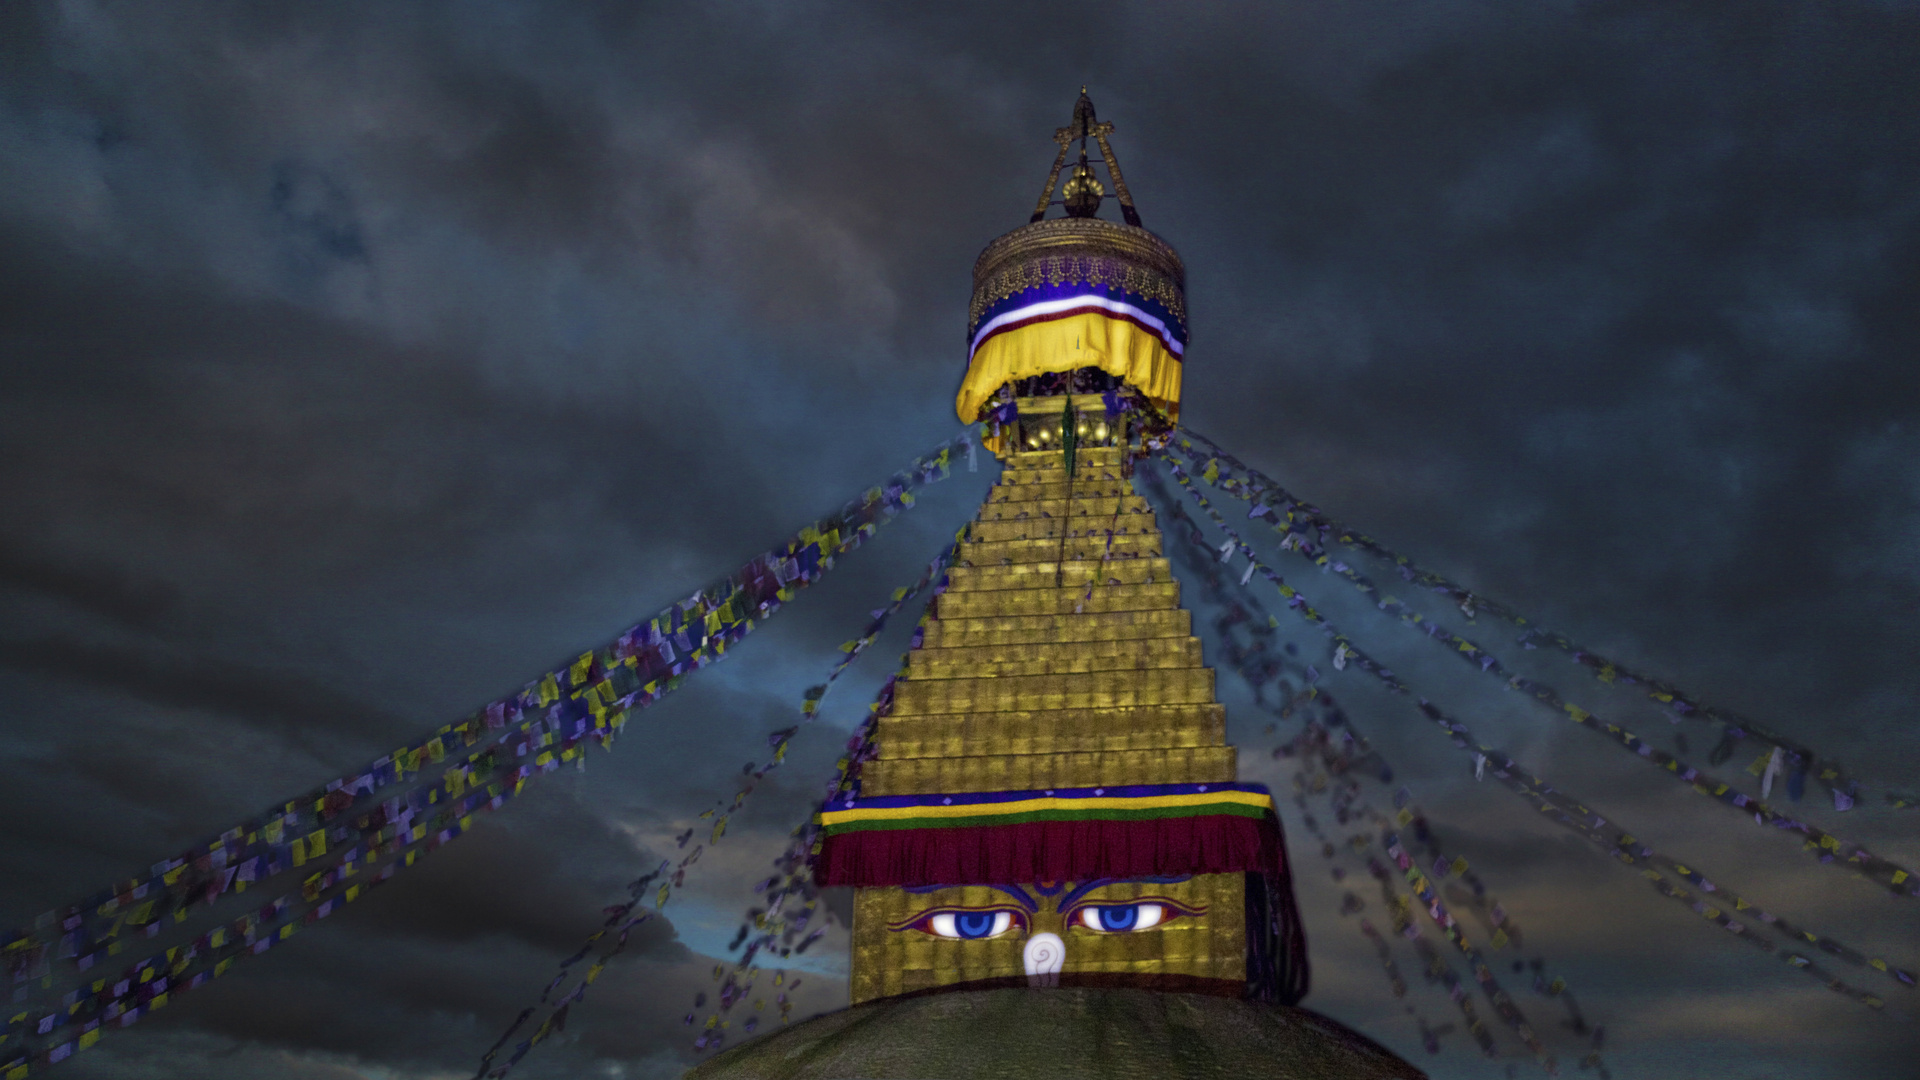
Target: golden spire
(1083,192)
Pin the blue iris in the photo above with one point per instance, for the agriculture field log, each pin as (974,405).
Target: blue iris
(1119,918)
(973,924)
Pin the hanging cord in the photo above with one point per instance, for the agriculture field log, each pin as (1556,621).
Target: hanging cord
(1565,810)
(340,835)
(1069,436)
(621,919)
(586,698)
(1279,501)
(1825,846)
(1435,965)
(1355,757)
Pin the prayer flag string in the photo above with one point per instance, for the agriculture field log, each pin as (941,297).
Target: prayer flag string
(1435,967)
(1565,810)
(1351,757)
(546,724)
(1824,846)
(621,918)
(773,929)
(37,1042)
(1271,498)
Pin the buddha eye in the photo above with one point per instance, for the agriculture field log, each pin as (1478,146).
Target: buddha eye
(1129,917)
(1121,918)
(967,925)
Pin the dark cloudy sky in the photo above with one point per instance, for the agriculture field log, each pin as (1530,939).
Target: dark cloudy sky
(360,361)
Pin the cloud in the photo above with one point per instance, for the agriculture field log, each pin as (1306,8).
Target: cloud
(364,361)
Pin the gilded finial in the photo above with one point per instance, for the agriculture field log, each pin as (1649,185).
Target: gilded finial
(1082,194)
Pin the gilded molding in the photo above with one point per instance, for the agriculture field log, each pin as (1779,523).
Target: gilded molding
(1081,250)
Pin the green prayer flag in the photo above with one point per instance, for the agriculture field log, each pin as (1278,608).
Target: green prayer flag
(1068,436)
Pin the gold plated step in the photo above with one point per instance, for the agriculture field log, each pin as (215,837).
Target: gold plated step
(1062,659)
(1075,574)
(1033,772)
(953,631)
(1052,731)
(1092,690)
(1033,527)
(1096,506)
(1049,601)
(1079,489)
(1004,652)
(1132,544)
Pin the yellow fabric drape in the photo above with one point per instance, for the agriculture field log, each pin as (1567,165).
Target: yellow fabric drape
(1092,339)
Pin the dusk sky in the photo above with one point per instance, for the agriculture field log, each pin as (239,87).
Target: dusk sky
(360,362)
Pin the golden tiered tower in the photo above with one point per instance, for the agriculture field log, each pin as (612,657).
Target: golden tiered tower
(1053,800)
(1057,662)
(1055,873)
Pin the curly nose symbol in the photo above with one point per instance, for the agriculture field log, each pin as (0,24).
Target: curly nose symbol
(1044,956)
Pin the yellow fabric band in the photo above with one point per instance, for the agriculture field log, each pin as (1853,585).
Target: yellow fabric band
(1209,798)
(1115,346)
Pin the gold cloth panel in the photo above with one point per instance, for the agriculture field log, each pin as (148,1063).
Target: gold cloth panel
(1152,654)
(1209,944)
(1076,573)
(1051,731)
(1049,650)
(1033,772)
(952,631)
(1094,339)
(992,602)
(1054,471)
(1038,528)
(1050,459)
(1098,690)
(1134,543)
(1092,506)
(1083,487)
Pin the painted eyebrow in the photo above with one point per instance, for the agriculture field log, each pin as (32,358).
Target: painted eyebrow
(1066,901)
(1016,892)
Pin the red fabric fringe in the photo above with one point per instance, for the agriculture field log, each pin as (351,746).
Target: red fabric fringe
(1051,851)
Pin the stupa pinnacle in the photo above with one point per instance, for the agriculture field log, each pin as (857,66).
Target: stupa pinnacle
(1052,808)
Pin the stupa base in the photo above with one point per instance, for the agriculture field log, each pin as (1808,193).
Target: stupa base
(1068,1033)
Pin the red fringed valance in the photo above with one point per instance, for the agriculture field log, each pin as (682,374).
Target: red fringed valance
(1050,851)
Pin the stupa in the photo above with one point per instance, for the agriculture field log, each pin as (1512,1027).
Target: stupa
(1055,870)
